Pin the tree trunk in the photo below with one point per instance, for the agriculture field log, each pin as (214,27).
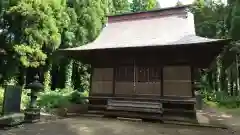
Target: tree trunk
(68,74)
(47,77)
(237,81)
(218,74)
(231,83)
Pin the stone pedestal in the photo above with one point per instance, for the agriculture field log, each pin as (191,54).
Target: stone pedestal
(32,115)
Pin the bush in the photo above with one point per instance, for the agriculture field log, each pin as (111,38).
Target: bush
(60,98)
(230,102)
(78,97)
(222,99)
(53,99)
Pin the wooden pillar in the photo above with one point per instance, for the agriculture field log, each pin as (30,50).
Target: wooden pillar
(114,81)
(193,80)
(161,87)
(91,80)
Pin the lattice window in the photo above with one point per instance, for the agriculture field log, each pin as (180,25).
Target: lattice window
(146,74)
(143,74)
(155,74)
(125,74)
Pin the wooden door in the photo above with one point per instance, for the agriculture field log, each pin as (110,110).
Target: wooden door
(148,81)
(124,81)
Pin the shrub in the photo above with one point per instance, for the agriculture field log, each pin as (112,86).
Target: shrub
(60,98)
(78,97)
(53,99)
(230,102)
(222,99)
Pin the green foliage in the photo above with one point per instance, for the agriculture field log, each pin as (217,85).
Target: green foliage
(30,57)
(25,99)
(69,69)
(217,20)
(235,23)
(60,98)
(35,27)
(118,6)
(53,99)
(143,5)
(77,97)
(47,77)
(222,99)
(210,18)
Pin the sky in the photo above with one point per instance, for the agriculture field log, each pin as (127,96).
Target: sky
(170,3)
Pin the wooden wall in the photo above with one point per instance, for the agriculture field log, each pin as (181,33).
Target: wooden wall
(102,79)
(177,81)
(170,81)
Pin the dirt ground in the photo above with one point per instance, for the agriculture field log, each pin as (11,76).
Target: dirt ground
(216,116)
(104,126)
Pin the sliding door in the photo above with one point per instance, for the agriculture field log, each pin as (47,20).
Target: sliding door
(124,81)
(148,81)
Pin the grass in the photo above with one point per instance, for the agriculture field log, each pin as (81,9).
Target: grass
(232,111)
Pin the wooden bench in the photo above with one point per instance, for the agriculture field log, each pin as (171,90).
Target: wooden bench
(134,106)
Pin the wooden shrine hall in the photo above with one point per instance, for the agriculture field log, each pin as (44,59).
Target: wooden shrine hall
(145,64)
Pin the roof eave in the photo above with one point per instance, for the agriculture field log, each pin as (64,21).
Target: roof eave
(153,10)
(226,41)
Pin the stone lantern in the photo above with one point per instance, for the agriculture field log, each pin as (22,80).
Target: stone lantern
(32,112)
(198,96)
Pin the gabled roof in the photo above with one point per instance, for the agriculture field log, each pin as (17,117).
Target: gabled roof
(164,27)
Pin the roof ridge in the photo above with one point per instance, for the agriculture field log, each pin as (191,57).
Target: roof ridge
(153,10)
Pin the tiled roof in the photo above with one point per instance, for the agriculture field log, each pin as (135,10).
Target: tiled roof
(166,30)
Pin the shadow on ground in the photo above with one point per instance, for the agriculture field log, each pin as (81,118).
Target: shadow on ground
(103,126)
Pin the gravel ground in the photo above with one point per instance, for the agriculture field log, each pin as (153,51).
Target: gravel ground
(104,126)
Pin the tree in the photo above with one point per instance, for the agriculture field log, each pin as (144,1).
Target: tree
(235,21)
(158,5)
(179,3)
(143,5)
(87,20)
(33,31)
(118,6)
(217,20)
